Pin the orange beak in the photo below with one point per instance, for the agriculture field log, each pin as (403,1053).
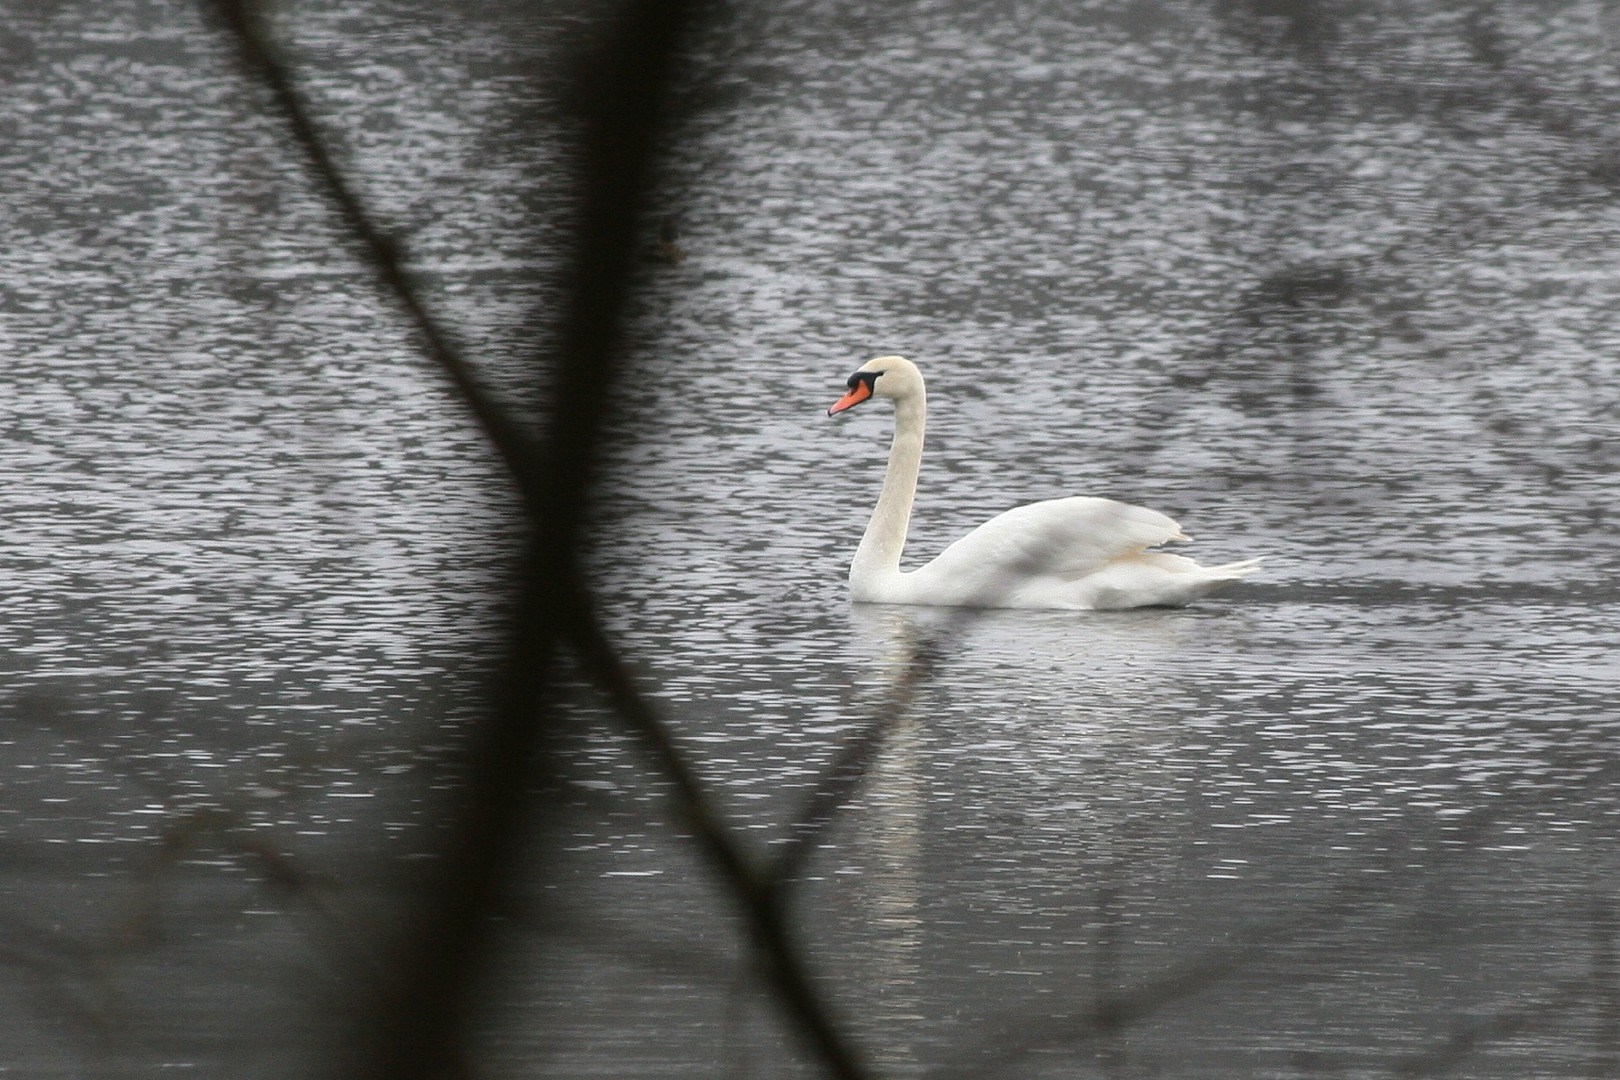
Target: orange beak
(857,394)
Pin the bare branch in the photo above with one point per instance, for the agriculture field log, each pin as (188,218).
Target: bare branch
(381,251)
(419,1032)
(760,896)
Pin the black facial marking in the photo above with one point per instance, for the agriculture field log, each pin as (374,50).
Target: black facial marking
(867,377)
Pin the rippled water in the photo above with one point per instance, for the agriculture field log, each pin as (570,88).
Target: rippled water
(1334,287)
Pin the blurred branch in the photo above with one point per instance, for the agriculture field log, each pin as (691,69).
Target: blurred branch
(66,982)
(380,251)
(419,1032)
(1469,1036)
(760,894)
(299,890)
(1324,925)
(850,766)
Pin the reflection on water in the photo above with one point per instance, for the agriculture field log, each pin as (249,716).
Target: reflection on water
(1335,285)
(1261,863)
(883,901)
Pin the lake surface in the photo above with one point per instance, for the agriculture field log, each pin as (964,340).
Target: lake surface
(1333,284)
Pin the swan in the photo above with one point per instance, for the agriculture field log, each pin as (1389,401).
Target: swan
(1077,553)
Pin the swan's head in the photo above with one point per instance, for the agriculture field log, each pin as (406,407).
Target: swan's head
(887,376)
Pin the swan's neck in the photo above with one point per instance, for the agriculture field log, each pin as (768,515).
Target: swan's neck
(879,553)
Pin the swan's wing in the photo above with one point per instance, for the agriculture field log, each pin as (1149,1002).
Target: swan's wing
(1058,538)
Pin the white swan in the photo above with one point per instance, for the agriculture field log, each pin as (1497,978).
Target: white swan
(1078,553)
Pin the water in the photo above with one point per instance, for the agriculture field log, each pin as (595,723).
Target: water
(1337,290)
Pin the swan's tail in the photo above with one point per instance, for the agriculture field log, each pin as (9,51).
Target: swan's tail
(1234,571)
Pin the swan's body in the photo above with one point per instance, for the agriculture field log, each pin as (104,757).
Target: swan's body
(1078,553)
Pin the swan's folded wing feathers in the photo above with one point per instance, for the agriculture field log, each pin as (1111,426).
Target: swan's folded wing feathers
(1059,538)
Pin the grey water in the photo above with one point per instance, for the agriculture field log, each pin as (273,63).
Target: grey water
(1334,284)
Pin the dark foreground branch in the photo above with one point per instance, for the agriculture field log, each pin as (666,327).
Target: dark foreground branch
(381,252)
(761,896)
(418,1031)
